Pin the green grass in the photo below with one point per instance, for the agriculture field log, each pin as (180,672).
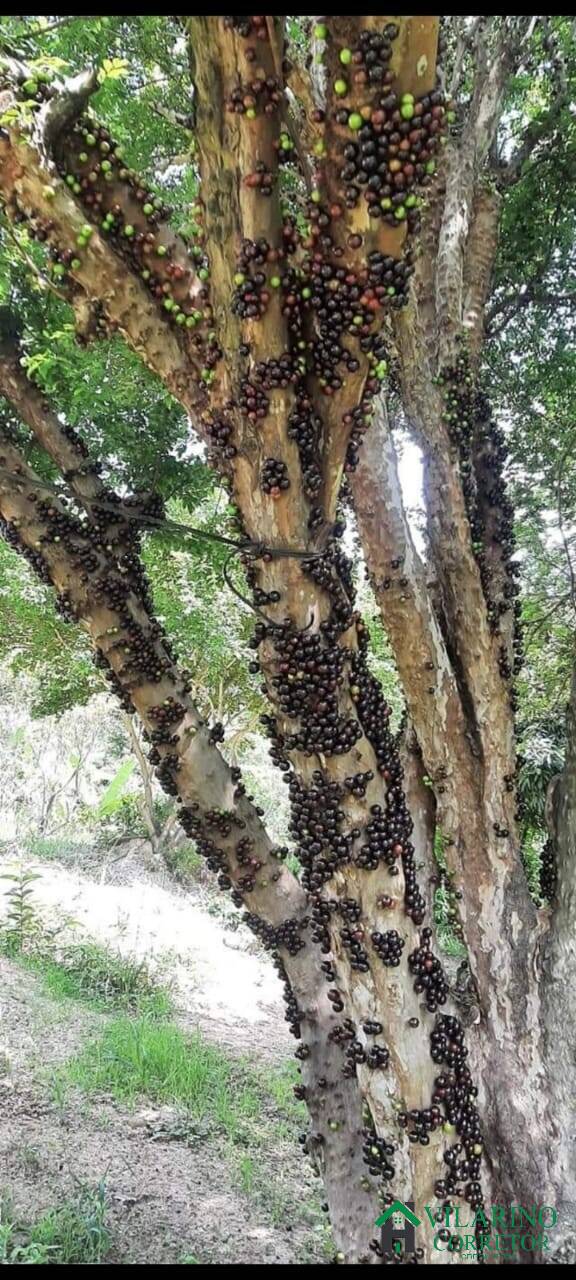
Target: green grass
(74,1234)
(248,1116)
(135,1058)
(102,977)
(54,849)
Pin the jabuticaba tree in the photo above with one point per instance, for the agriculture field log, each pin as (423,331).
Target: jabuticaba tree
(277,329)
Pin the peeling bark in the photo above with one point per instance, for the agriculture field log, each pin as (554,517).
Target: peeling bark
(399,580)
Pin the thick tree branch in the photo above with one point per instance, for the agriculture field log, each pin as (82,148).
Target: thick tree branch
(479,257)
(464,163)
(110,238)
(399,582)
(24,185)
(559,985)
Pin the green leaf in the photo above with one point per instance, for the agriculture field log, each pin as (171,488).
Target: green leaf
(113,69)
(111,800)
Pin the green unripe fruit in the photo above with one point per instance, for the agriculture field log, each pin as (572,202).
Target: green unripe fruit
(190,322)
(355,121)
(58,270)
(306,292)
(391,290)
(30,87)
(407,110)
(408,97)
(400,213)
(87,230)
(250,113)
(448,1127)
(148,208)
(161,251)
(275,282)
(145,274)
(340,87)
(319,147)
(90,140)
(76,188)
(450,117)
(386,202)
(204,273)
(83,157)
(106,166)
(75,264)
(346,57)
(48,193)
(239,278)
(104,147)
(181,319)
(315,196)
(81,241)
(129,230)
(320,31)
(431,166)
(168,304)
(70,179)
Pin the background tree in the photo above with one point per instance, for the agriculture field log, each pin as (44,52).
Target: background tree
(275,327)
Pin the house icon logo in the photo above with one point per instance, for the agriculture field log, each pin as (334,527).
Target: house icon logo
(398,1224)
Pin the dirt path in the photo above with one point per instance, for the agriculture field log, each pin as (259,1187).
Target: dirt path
(171,1193)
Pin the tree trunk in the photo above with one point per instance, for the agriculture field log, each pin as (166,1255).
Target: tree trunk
(558,997)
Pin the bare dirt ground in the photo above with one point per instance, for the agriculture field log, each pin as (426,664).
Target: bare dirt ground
(172,1194)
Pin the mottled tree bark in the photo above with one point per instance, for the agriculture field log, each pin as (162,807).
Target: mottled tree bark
(559,981)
